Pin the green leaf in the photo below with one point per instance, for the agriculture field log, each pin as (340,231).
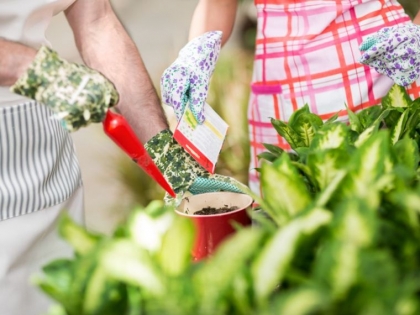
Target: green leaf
(355,215)
(332,118)
(81,240)
(372,129)
(83,269)
(134,300)
(56,282)
(407,152)
(268,156)
(175,253)
(412,122)
(147,226)
(283,189)
(366,134)
(124,261)
(398,128)
(104,296)
(325,165)
(409,202)
(273,149)
(306,126)
(325,196)
(397,96)
(301,301)
(275,257)
(354,121)
(287,133)
(296,115)
(213,281)
(337,265)
(368,165)
(331,136)
(242,292)
(369,115)
(397,99)
(353,228)
(302,153)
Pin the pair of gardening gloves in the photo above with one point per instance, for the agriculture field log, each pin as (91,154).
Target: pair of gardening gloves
(78,96)
(395,52)
(185,83)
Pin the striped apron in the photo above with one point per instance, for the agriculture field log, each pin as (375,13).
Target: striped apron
(307,53)
(39,179)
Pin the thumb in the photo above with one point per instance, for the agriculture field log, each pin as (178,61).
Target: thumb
(197,98)
(368,43)
(215,183)
(174,89)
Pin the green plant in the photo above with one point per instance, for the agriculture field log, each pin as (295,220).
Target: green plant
(343,237)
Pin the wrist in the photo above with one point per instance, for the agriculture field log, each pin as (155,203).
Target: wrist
(416,19)
(14,60)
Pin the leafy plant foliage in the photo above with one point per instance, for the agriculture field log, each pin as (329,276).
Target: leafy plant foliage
(339,233)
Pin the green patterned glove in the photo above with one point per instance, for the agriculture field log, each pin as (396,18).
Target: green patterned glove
(182,171)
(75,93)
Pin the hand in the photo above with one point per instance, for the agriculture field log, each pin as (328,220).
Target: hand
(187,79)
(76,94)
(394,52)
(183,172)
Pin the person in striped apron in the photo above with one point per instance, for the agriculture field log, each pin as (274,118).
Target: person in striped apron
(42,98)
(39,172)
(307,51)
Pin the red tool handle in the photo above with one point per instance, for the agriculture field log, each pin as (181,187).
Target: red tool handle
(118,129)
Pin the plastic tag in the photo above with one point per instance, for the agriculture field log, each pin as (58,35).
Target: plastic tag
(202,142)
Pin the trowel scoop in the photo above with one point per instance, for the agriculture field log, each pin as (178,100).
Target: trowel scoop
(118,129)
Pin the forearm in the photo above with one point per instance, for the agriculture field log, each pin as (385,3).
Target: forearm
(214,15)
(416,19)
(14,60)
(105,46)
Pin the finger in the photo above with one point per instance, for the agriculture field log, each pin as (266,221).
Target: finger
(368,43)
(203,52)
(174,86)
(197,96)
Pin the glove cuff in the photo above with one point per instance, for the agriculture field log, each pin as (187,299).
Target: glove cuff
(178,167)
(39,73)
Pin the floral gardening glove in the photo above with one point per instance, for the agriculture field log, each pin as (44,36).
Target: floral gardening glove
(76,94)
(187,79)
(182,171)
(395,52)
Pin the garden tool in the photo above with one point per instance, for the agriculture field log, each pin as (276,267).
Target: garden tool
(118,129)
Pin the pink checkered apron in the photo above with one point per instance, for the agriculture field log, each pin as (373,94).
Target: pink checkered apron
(306,52)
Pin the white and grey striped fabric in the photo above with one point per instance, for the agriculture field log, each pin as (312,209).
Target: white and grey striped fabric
(38,165)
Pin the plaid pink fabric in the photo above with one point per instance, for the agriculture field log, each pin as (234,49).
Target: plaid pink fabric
(307,52)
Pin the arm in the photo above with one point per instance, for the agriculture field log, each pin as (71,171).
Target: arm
(106,47)
(214,15)
(416,19)
(14,60)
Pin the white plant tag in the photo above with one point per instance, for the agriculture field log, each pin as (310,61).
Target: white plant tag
(202,142)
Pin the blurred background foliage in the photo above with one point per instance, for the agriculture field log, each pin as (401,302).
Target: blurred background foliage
(410,6)
(228,95)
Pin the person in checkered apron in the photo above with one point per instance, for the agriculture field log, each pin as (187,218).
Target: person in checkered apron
(309,51)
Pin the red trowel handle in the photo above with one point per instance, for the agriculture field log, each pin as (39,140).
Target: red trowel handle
(118,129)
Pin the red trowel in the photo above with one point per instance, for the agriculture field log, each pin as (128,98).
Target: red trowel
(118,129)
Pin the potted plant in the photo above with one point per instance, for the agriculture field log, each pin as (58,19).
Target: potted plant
(215,216)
